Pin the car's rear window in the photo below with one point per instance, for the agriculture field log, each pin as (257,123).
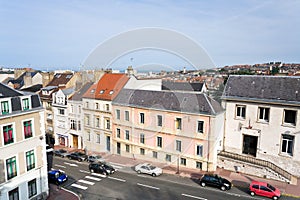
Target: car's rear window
(271,187)
(255,186)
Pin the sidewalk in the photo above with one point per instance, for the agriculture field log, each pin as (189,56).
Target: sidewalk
(239,180)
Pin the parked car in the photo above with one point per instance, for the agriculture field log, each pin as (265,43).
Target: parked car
(109,169)
(264,189)
(95,158)
(215,181)
(147,168)
(97,167)
(57,176)
(61,153)
(77,156)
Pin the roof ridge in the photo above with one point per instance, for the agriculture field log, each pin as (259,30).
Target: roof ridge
(212,108)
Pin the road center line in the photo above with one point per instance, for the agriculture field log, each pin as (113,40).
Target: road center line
(191,196)
(118,179)
(86,182)
(60,166)
(148,186)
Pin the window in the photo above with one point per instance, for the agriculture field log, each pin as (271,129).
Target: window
(25,104)
(154,154)
(11,167)
(97,122)
(127,134)
(30,162)
(4,107)
(27,129)
(142,151)
(263,114)
(168,158)
(118,114)
(118,133)
(142,118)
(199,165)
(200,126)
(32,188)
(79,109)
(87,120)
(13,194)
(73,124)
(290,117)
(127,115)
(97,106)
(61,111)
(287,144)
(183,161)
(159,120)
(178,123)
(79,125)
(87,105)
(98,138)
(107,107)
(142,138)
(241,112)
(159,141)
(88,136)
(178,145)
(127,148)
(8,134)
(107,123)
(199,150)
(72,109)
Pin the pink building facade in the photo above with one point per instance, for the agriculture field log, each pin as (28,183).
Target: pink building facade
(174,128)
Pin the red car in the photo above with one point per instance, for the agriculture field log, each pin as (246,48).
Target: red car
(264,189)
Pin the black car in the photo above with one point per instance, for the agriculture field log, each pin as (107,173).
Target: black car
(215,181)
(61,153)
(101,167)
(77,156)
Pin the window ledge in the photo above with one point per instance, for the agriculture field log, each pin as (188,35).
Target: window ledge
(286,155)
(288,125)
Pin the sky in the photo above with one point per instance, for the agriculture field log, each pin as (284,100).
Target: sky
(61,34)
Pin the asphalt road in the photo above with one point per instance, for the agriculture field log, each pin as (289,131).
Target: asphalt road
(127,184)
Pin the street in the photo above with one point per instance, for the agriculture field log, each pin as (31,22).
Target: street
(125,183)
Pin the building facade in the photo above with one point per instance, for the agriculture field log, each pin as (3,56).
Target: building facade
(23,161)
(175,128)
(262,119)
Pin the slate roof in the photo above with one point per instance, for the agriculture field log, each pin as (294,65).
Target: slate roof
(60,79)
(77,96)
(181,86)
(197,103)
(282,89)
(14,96)
(20,79)
(107,87)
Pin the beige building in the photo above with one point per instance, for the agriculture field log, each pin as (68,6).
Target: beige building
(23,162)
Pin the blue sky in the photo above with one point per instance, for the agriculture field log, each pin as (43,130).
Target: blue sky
(61,34)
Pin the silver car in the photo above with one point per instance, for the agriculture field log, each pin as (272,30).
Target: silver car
(95,158)
(147,168)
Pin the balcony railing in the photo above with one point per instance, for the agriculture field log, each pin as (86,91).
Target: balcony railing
(257,161)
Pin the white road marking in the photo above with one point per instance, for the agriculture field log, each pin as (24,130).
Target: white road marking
(60,166)
(148,186)
(79,186)
(191,196)
(141,175)
(93,178)
(117,179)
(112,163)
(84,171)
(86,182)
(71,164)
(117,167)
(237,195)
(101,175)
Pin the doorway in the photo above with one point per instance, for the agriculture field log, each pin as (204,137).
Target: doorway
(75,141)
(250,145)
(118,148)
(108,143)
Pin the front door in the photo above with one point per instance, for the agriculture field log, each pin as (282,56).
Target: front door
(108,143)
(250,145)
(75,141)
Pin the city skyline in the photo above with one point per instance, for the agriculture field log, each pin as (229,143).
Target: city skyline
(60,35)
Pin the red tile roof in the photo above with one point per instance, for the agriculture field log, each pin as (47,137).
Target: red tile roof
(107,87)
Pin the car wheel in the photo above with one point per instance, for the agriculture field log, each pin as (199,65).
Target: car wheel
(202,184)
(223,188)
(252,193)
(62,156)
(138,171)
(69,158)
(91,170)
(275,197)
(153,174)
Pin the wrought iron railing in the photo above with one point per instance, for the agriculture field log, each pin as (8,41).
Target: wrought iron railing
(257,161)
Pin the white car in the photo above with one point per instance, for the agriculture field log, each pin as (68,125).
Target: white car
(147,168)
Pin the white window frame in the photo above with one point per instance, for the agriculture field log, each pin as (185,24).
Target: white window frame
(32,126)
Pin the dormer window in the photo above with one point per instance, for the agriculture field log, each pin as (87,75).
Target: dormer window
(101,91)
(57,75)
(69,76)
(25,104)
(111,92)
(92,91)
(5,107)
